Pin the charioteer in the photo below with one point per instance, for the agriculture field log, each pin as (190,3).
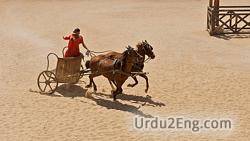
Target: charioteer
(75,39)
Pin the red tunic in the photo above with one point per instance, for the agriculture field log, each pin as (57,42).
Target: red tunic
(73,46)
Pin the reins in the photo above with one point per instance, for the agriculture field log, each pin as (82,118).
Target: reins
(100,51)
(147,60)
(93,53)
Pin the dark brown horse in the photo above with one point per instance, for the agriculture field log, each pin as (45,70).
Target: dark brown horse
(116,70)
(143,48)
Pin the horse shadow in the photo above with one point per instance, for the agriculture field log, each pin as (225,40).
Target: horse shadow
(104,100)
(116,105)
(146,101)
(69,90)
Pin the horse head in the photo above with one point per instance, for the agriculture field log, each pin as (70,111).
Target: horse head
(131,55)
(146,48)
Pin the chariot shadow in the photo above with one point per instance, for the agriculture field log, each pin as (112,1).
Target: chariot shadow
(67,90)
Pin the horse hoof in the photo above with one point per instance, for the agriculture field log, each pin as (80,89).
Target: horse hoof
(146,91)
(88,86)
(114,97)
(129,85)
(95,89)
(112,92)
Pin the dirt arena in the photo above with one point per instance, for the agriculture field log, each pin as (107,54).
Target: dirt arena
(193,75)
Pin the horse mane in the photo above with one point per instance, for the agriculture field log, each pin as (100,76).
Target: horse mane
(140,48)
(139,45)
(124,58)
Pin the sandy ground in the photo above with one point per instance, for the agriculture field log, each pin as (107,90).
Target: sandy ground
(193,75)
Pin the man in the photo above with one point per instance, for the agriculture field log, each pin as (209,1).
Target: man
(73,46)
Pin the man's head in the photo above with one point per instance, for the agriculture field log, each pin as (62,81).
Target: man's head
(76,31)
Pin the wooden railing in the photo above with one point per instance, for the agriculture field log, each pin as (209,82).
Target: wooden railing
(228,20)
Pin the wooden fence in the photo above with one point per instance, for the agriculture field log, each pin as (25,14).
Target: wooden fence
(228,19)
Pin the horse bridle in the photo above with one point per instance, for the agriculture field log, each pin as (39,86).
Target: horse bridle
(137,60)
(149,58)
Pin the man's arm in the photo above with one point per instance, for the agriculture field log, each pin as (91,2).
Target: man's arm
(83,44)
(66,37)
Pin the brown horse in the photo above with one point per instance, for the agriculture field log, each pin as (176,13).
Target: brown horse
(143,48)
(117,71)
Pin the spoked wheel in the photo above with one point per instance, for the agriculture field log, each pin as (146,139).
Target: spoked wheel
(47,82)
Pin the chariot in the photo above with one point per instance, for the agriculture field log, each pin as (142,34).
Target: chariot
(68,70)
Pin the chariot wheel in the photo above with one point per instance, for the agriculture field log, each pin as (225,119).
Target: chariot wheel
(47,82)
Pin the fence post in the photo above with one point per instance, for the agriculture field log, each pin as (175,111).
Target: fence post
(212,31)
(216,13)
(210,3)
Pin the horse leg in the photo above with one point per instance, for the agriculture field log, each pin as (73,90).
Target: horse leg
(95,88)
(112,86)
(116,92)
(90,82)
(146,78)
(136,82)
(119,90)
(113,91)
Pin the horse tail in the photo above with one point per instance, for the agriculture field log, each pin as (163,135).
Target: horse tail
(87,64)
